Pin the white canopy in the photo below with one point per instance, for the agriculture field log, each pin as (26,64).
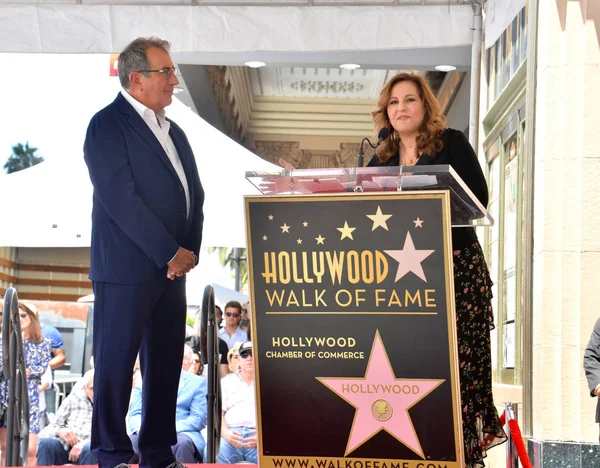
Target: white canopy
(104,26)
(50,204)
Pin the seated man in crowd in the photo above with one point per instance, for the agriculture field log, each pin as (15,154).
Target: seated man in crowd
(190,417)
(67,439)
(238,425)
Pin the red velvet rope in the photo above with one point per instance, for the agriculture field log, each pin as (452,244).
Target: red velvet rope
(517,439)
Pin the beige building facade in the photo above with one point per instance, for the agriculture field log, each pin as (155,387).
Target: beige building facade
(540,123)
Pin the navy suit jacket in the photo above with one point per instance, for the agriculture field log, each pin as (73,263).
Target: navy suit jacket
(139,208)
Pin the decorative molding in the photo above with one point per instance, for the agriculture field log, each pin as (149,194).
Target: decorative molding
(449,89)
(290,151)
(53,268)
(348,155)
(226,101)
(320,87)
(49,296)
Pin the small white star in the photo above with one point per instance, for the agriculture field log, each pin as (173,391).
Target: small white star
(285,228)
(305,224)
(265,238)
(270,217)
(299,241)
(379,219)
(346,231)
(418,222)
(320,240)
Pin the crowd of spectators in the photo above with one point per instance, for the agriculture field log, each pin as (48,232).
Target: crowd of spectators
(63,437)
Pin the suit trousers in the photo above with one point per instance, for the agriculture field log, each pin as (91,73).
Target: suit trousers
(130,317)
(184,449)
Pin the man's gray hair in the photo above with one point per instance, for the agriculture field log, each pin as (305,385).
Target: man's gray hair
(134,57)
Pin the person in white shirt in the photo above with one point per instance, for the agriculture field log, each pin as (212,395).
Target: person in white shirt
(231,333)
(238,424)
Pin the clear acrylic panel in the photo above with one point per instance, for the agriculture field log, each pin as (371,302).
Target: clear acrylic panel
(466,210)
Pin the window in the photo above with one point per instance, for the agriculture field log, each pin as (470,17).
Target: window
(503,245)
(506,56)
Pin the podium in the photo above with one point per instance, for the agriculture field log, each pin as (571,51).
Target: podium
(354,329)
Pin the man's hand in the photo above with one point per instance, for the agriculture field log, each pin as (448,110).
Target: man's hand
(68,436)
(597,390)
(233,437)
(75,452)
(183,262)
(250,442)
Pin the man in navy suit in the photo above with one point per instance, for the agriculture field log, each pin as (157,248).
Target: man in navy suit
(146,235)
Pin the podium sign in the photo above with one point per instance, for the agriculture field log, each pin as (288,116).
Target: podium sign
(354,330)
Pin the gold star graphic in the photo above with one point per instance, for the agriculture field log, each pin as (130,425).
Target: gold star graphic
(346,231)
(305,224)
(320,240)
(285,228)
(418,222)
(299,241)
(379,219)
(270,217)
(265,238)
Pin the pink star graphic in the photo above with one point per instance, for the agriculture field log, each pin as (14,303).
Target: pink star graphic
(382,401)
(409,259)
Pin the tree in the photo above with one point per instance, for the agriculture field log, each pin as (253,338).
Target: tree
(23,157)
(228,257)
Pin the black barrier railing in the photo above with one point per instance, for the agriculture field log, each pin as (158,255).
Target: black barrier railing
(14,372)
(209,342)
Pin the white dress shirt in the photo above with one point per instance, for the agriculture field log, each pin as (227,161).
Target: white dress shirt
(161,132)
(238,335)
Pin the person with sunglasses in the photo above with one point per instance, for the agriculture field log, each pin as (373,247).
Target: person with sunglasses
(37,352)
(146,233)
(197,367)
(231,333)
(238,424)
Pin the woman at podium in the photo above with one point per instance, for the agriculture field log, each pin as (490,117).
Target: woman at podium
(418,136)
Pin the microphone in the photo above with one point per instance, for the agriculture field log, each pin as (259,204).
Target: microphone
(384,133)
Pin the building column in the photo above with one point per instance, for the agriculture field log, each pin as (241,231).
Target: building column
(566,251)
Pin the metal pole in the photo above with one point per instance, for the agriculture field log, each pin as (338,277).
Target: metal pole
(475,75)
(237,257)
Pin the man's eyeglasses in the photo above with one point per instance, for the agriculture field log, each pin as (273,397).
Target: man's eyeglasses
(246,354)
(229,314)
(167,72)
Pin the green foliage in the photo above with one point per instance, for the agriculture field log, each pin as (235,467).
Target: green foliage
(23,157)
(227,257)
(189,320)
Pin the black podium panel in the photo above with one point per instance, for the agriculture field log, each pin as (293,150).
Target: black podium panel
(354,331)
